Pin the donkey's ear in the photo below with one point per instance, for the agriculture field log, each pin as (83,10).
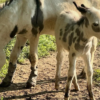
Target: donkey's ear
(82,5)
(81,9)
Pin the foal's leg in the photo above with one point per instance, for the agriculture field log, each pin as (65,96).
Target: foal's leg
(59,62)
(93,49)
(76,86)
(33,60)
(71,73)
(89,74)
(20,41)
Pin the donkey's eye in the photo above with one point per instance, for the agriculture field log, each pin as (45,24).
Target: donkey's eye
(95,24)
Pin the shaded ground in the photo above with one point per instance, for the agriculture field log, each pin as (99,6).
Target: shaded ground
(45,88)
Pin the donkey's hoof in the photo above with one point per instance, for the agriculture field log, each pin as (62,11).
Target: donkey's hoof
(5,84)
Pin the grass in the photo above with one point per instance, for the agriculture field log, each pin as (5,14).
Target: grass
(46,44)
(96,76)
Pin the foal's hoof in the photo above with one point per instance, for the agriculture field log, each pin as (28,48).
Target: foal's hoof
(92,98)
(77,88)
(57,87)
(29,85)
(5,84)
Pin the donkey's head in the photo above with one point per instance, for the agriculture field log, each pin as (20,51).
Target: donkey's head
(92,19)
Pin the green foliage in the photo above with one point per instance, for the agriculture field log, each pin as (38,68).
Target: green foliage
(96,75)
(46,44)
(1,98)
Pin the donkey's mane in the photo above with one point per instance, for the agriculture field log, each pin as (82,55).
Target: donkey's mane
(81,20)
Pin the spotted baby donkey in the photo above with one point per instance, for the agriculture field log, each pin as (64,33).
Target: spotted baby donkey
(76,34)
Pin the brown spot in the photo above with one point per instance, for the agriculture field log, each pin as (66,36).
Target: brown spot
(71,39)
(32,59)
(61,32)
(74,39)
(68,28)
(23,31)
(34,31)
(86,22)
(77,32)
(81,21)
(78,40)
(73,54)
(82,37)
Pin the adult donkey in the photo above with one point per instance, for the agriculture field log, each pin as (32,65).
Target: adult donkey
(28,19)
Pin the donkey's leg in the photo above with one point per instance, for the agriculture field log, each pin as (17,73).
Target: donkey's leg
(20,41)
(33,60)
(59,62)
(71,73)
(93,49)
(89,74)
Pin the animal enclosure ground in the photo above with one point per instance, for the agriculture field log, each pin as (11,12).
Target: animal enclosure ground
(45,88)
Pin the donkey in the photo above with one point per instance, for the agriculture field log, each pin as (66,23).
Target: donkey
(28,19)
(76,34)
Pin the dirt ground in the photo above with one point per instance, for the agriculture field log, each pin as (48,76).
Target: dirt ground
(45,88)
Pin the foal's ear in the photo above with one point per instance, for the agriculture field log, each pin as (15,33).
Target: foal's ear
(81,9)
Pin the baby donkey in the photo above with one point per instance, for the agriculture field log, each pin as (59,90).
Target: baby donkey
(76,34)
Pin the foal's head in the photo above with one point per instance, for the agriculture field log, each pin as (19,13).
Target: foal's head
(91,19)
